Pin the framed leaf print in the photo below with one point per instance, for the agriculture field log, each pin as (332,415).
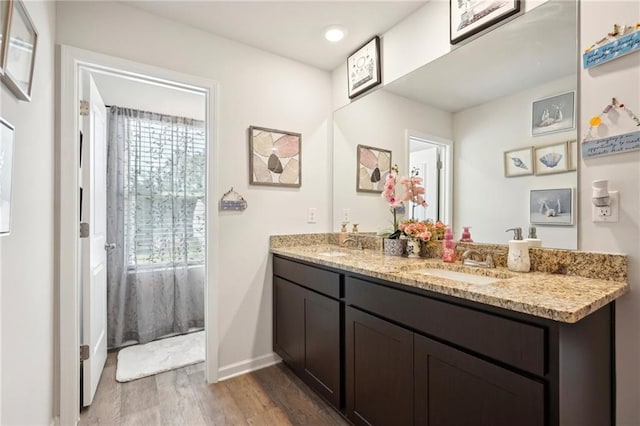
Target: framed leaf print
(275,157)
(373,167)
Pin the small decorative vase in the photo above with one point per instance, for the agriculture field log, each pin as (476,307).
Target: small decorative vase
(413,248)
(394,247)
(430,249)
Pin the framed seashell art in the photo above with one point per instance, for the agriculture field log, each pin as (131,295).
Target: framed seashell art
(550,159)
(275,157)
(518,162)
(374,164)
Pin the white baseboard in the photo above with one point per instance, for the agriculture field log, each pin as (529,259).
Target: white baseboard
(247,366)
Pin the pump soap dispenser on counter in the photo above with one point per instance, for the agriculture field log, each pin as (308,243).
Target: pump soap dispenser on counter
(466,235)
(518,257)
(533,239)
(448,246)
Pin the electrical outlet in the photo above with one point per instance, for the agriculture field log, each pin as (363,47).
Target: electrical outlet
(313,215)
(345,215)
(608,213)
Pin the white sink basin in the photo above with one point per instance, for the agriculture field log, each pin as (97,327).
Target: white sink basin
(332,254)
(459,276)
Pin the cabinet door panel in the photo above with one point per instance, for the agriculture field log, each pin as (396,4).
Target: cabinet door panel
(322,345)
(379,371)
(288,319)
(454,388)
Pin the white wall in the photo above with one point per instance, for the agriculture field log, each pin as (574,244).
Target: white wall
(256,88)
(620,79)
(379,120)
(481,135)
(144,96)
(417,40)
(27,261)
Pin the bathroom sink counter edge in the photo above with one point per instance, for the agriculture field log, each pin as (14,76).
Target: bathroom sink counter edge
(563,298)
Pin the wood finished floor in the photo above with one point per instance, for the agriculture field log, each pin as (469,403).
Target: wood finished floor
(271,396)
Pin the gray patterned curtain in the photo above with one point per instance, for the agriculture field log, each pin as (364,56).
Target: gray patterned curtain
(155,217)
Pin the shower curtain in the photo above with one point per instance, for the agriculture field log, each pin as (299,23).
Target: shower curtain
(155,217)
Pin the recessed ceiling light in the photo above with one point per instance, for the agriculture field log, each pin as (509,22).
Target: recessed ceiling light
(334,33)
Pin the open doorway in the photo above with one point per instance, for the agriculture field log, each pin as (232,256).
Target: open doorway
(145,138)
(430,157)
(142,203)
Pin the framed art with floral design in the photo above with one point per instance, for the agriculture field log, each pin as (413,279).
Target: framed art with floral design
(363,68)
(275,157)
(373,167)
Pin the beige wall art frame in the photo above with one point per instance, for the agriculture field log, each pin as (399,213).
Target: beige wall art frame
(373,167)
(275,157)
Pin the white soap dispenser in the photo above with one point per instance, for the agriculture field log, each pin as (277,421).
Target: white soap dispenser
(518,257)
(533,239)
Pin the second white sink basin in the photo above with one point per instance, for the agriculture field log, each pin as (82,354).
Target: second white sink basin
(459,276)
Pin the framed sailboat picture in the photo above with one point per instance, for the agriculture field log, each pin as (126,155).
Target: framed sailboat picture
(553,114)
(373,166)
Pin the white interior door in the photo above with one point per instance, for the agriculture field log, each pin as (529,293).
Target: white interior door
(425,158)
(93,247)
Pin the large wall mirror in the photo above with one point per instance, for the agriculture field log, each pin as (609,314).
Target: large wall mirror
(466,121)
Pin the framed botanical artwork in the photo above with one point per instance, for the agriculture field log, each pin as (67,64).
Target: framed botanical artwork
(553,114)
(551,206)
(19,51)
(550,159)
(275,157)
(6,173)
(363,68)
(518,162)
(374,164)
(469,17)
(572,146)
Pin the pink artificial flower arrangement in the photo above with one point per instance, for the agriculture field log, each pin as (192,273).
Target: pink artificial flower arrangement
(417,230)
(389,194)
(413,191)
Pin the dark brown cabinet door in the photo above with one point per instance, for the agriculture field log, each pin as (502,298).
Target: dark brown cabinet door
(453,388)
(322,345)
(307,335)
(288,322)
(379,371)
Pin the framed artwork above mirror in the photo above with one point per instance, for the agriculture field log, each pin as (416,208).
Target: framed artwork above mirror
(363,68)
(469,17)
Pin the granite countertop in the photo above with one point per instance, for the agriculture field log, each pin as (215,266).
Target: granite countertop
(564,298)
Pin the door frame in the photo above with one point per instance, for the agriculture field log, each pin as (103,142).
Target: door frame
(446,181)
(71,60)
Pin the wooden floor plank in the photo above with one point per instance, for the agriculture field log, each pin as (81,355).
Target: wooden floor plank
(271,396)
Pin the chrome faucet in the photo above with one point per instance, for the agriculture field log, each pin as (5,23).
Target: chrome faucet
(355,240)
(467,260)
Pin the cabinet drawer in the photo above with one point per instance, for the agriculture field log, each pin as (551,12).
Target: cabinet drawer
(320,280)
(513,342)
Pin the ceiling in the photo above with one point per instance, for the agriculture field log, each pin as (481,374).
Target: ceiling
(293,29)
(533,49)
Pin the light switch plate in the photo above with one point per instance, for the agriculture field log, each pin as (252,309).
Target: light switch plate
(608,213)
(312,215)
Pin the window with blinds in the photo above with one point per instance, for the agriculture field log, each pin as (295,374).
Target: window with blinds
(164,190)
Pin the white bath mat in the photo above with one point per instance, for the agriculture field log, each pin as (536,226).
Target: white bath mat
(155,357)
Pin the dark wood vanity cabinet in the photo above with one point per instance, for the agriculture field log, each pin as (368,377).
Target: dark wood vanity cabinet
(379,371)
(415,357)
(455,388)
(307,328)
